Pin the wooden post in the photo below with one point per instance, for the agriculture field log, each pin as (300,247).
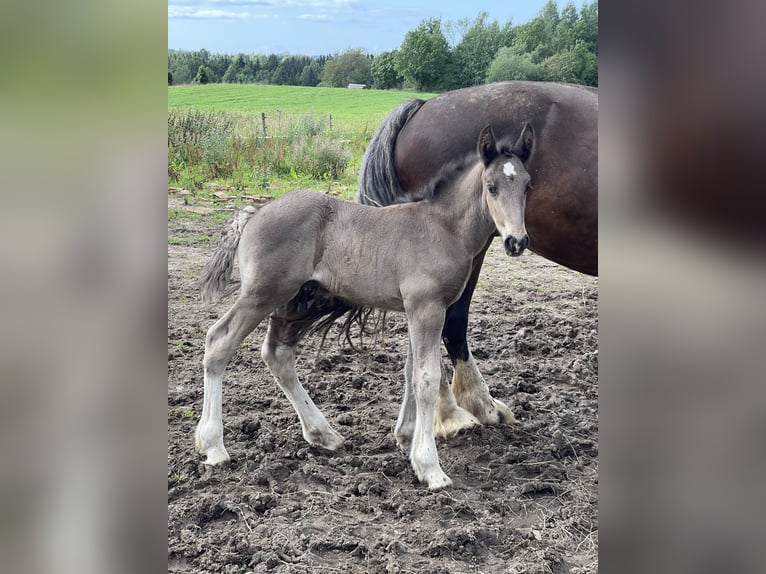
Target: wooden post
(263,122)
(330,122)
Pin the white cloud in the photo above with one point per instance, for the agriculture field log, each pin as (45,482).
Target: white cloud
(314,17)
(261,3)
(194,13)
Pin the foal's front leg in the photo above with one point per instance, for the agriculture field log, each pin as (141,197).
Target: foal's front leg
(425,325)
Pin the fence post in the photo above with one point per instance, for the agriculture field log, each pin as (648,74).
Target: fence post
(330,122)
(263,122)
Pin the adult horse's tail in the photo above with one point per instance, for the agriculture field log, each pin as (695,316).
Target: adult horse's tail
(378,181)
(217,271)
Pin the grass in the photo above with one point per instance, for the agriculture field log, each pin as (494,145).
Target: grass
(350,109)
(178,213)
(193,240)
(316,138)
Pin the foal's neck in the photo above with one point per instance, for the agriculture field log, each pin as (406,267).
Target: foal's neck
(462,210)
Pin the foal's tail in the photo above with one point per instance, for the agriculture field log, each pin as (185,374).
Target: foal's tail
(378,181)
(217,271)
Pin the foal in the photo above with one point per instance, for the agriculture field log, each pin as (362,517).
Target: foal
(410,257)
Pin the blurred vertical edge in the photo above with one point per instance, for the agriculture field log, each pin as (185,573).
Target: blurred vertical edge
(83,262)
(682,325)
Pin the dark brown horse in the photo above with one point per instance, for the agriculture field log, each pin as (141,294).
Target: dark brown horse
(419,140)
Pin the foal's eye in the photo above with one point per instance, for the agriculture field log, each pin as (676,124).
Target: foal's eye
(492,189)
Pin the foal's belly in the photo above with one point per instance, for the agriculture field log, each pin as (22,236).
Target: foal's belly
(367,288)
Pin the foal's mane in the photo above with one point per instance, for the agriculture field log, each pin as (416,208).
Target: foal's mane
(450,172)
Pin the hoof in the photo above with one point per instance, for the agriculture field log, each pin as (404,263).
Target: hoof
(472,393)
(437,480)
(403,434)
(209,443)
(450,424)
(216,456)
(404,443)
(329,440)
(495,413)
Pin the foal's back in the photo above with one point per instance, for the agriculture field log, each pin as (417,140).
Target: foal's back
(364,254)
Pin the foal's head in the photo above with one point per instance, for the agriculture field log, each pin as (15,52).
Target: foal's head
(505,183)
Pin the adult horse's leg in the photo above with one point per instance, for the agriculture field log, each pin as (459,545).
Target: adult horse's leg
(278,352)
(425,325)
(449,418)
(468,385)
(221,342)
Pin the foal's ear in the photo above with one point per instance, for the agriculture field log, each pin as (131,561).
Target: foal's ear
(526,142)
(487,146)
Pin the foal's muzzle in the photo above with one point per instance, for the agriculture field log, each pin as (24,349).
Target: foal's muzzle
(514,247)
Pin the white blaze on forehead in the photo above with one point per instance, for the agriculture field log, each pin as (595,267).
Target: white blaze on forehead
(508,169)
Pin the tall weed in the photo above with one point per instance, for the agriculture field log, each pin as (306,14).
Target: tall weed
(229,147)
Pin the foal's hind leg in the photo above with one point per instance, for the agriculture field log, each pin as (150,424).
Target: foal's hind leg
(469,387)
(221,342)
(405,423)
(278,353)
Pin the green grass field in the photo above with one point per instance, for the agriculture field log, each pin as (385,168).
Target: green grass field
(316,136)
(361,107)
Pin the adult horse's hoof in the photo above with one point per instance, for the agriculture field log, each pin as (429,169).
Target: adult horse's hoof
(495,413)
(451,419)
(472,393)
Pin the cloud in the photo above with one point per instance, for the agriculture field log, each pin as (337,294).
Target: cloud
(314,17)
(194,13)
(261,3)
(243,3)
(313,10)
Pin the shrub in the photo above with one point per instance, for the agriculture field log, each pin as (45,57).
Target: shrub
(204,146)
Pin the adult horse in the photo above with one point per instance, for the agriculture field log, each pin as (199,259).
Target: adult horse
(410,150)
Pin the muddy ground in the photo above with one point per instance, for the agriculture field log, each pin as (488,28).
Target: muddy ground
(524,497)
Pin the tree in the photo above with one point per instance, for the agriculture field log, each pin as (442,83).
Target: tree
(236,66)
(203,75)
(585,29)
(349,67)
(385,76)
(170,78)
(508,65)
(576,65)
(310,74)
(537,37)
(424,56)
(476,50)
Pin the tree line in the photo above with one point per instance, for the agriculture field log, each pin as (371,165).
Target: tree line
(556,45)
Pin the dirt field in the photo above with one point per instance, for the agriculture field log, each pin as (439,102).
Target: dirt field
(524,497)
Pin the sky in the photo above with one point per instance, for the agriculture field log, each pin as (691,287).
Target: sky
(316,27)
